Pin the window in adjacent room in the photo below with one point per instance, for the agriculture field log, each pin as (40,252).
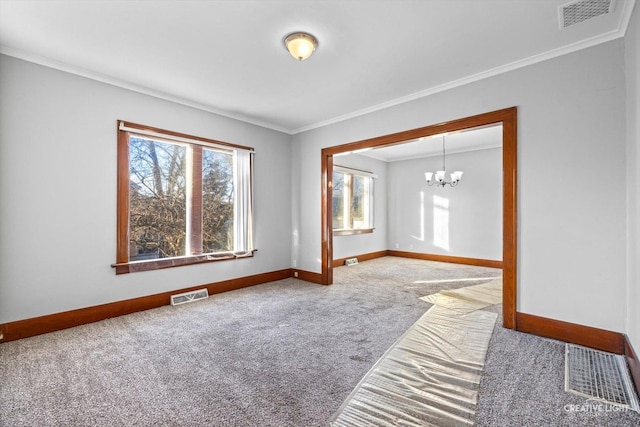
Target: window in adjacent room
(181,199)
(352,201)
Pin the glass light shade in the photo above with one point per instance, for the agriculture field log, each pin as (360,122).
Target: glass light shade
(300,45)
(428,176)
(440,175)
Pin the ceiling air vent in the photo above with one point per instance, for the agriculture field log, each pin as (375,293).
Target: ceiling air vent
(582,10)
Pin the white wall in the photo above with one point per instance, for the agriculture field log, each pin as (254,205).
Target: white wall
(470,225)
(571,177)
(632,51)
(357,244)
(58,192)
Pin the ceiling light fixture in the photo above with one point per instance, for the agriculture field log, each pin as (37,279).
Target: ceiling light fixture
(300,45)
(441,175)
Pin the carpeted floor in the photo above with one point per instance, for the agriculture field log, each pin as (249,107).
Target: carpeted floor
(285,353)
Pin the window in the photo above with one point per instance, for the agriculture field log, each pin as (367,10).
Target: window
(352,201)
(181,199)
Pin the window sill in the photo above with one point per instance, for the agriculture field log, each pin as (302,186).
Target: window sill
(157,264)
(352,231)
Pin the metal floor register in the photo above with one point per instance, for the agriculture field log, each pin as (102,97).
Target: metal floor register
(599,375)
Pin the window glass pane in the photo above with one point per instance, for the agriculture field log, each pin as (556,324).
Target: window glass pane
(359,207)
(352,201)
(157,197)
(217,201)
(338,200)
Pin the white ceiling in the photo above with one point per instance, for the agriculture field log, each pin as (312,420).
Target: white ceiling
(456,142)
(228,56)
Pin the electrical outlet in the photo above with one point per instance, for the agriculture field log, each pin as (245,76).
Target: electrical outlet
(397,246)
(295,274)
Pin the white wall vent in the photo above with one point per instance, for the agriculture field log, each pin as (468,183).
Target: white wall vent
(351,261)
(582,10)
(189,297)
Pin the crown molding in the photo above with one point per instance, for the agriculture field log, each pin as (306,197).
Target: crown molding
(82,72)
(619,32)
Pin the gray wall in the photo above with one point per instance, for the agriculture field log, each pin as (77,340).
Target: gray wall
(58,192)
(404,207)
(572,246)
(471,224)
(632,44)
(579,161)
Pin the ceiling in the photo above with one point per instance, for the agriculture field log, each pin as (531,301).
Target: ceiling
(228,56)
(456,142)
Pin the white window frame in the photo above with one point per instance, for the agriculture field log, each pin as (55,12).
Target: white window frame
(349,174)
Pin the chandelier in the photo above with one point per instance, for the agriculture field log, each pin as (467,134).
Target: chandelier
(440,178)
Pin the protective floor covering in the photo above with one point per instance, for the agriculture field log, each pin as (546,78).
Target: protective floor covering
(470,298)
(430,376)
(599,375)
(455,303)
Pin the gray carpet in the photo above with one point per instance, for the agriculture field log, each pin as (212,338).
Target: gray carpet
(285,353)
(523,384)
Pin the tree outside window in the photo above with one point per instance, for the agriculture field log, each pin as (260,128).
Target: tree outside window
(352,202)
(182,200)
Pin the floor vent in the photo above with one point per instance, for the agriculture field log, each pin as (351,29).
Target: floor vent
(189,297)
(600,376)
(582,10)
(351,261)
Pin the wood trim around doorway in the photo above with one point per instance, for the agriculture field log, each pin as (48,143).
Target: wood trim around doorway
(508,118)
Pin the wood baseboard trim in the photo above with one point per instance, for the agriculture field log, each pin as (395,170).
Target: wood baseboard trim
(307,276)
(362,257)
(68,319)
(446,258)
(632,362)
(600,339)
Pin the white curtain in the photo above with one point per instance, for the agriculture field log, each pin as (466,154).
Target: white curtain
(243,201)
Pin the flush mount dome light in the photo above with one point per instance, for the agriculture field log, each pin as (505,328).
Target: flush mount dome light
(300,45)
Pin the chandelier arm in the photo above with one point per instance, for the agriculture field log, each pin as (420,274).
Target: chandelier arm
(441,179)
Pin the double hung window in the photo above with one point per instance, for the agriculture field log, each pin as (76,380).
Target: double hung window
(352,201)
(181,199)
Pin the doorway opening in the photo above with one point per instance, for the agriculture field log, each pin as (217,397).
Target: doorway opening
(508,119)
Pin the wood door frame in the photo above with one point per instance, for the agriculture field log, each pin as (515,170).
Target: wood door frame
(508,118)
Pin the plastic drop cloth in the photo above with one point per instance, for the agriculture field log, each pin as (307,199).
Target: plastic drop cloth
(490,292)
(470,298)
(430,376)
